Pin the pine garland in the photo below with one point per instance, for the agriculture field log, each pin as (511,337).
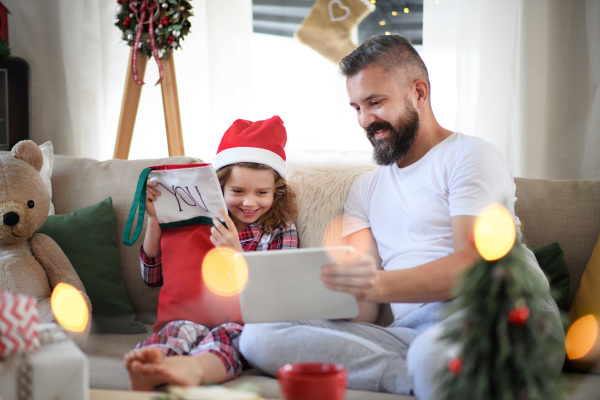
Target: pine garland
(4,50)
(171,25)
(508,346)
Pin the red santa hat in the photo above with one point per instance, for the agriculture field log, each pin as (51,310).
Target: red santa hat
(260,142)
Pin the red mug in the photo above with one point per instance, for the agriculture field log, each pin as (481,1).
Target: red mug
(312,381)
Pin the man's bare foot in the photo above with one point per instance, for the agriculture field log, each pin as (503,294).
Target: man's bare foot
(149,367)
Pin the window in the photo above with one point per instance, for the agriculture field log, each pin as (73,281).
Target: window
(283,17)
(394,16)
(279,17)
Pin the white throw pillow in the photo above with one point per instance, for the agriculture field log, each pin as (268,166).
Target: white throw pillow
(48,152)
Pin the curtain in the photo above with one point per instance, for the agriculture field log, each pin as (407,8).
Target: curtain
(522,74)
(78,65)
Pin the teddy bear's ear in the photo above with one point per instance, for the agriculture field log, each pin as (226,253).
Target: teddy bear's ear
(29,152)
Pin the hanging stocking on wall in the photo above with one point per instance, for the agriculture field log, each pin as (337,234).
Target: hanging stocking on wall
(327,27)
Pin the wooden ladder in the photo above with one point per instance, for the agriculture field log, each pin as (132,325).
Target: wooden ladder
(131,102)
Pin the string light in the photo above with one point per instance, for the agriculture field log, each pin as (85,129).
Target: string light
(69,307)
(494,232)
(388,33)
(581,337)
(224,274)
(394,22)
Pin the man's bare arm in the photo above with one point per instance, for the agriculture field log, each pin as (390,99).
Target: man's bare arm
(434,281)
(364,243)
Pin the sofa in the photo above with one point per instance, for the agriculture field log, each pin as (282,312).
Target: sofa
(567,212)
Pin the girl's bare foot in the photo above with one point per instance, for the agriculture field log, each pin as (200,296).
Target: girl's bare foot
(135,359)
(149,367)
(175,370)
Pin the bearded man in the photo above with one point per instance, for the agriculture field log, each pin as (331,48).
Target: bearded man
(415,214)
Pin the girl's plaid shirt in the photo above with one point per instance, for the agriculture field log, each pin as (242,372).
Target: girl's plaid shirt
(251,238)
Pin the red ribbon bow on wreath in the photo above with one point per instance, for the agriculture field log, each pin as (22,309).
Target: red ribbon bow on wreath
(146,7)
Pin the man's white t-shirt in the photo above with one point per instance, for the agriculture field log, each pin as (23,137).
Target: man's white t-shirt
(409,209)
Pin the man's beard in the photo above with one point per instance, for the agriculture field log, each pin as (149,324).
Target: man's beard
(393,148)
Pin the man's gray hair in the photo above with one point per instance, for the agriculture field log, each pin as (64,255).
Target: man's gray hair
(387,51)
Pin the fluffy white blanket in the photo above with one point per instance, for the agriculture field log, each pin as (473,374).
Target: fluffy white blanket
(322,181)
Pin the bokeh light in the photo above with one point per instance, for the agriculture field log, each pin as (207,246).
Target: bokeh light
(495,232)
(332,233)
(69,307)
(224,274)
(581,337)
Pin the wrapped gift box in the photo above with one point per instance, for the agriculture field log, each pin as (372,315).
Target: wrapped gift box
(58,370)
(18,324)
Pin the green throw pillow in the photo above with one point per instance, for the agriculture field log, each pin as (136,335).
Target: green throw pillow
(88,237)
(552,261)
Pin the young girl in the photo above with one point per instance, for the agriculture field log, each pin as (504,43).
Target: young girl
(250,166)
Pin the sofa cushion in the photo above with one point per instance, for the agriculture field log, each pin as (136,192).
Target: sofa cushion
(81,182)
(587,299)
(88,238)
(586,302)
(567,212)
(105,353)
(552,261)
(46,172)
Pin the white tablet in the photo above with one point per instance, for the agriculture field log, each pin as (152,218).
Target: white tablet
(285,285)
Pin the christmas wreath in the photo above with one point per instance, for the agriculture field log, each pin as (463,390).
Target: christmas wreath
(154,27)
(170,19)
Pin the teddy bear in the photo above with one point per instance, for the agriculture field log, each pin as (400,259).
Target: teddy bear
(31,263)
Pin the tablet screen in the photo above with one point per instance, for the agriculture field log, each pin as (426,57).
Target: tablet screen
(285,285)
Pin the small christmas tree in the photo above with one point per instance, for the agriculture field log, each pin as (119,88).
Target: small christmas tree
(507,344)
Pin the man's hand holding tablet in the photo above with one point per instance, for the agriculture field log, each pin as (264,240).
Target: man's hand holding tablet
(354,273)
